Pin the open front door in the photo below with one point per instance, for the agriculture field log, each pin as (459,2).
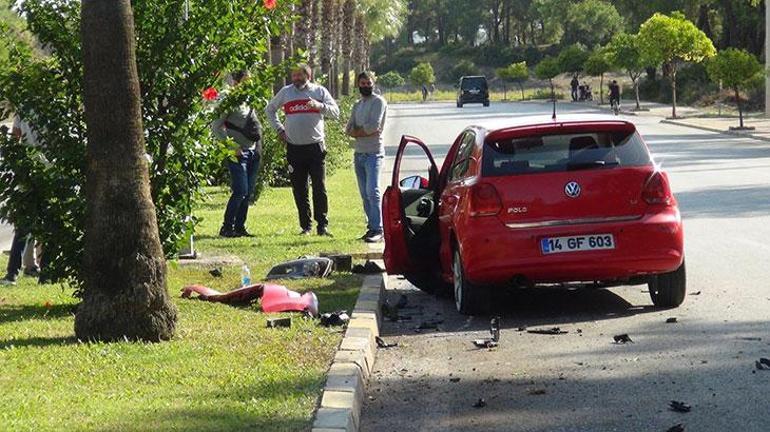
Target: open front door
(409,208)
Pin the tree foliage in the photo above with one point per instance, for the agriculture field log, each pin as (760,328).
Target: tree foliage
(671,40)
(515,72)
(591,23)
(391,80)
(422,74)
(179,53)
(736,69)
(623,51)
(572,59)
(548,69)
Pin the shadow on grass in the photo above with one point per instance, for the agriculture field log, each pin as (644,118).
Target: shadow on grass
(39,342)
(11,313)
(242,408)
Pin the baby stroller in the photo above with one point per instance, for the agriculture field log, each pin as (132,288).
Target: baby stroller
(585,93)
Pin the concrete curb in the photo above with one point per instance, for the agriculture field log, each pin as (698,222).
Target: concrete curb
(345,388)
(717,130)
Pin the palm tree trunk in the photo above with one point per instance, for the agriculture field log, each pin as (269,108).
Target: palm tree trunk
(327,39)
(312,33)
(358,39)
(276,58)
(349,18)
(124,271)
(302,26)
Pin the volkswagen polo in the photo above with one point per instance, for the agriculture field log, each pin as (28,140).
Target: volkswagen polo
(575,202)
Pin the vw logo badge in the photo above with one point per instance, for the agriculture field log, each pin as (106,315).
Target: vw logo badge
(572,189)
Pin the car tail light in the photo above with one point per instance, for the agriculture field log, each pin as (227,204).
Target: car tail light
(485,201)
(657,190)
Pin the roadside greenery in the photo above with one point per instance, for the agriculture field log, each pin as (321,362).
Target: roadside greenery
(179,53)
(623,52)
(223,371)
(422,74)
(391,80)
(670,41)
(737,70)
(548,69)
(599,63)
(515,72)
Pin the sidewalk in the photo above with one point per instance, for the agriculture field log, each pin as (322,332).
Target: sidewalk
(695,118)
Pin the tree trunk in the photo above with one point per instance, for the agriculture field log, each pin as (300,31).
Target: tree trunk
(276,58)
(327,39)
(358,43)
(601,89)
(302,26)
(673,92)
(740,106)
(312,32)
(349,18)
(521,87)
(124,271)
(288,50)
(636,91)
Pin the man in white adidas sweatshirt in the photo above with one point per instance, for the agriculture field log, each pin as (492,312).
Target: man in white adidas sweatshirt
(305,106)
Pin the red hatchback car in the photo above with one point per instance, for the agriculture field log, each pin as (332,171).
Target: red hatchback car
(574,202)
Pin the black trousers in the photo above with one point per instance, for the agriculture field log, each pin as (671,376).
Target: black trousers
(309,162)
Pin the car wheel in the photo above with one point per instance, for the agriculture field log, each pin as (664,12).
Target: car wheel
(486,104)
(459,104)
(668,290)
(470,299)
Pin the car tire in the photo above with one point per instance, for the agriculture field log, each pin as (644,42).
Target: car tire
(486,104)
(668,290)
(429,283)
(459,104)
(470,299)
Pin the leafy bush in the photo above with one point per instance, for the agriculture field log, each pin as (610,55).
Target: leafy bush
(422,74)
(178,56)
(391,80)
(461,69)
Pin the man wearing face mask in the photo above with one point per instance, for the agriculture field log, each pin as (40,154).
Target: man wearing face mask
(305,106)
(367,121)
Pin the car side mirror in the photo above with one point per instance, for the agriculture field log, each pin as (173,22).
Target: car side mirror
(414,182)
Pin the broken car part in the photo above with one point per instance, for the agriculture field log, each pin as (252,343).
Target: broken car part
(337,318)
(550,331)
(303,267)
(279,322)
(623,338)
(679,407)
(382,344)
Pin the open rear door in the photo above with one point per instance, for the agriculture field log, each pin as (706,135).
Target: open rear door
(408,206)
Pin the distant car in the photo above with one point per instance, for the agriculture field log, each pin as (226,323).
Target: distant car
(473,89)
(575,202)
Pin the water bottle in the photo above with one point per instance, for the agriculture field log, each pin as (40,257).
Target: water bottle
(245,276)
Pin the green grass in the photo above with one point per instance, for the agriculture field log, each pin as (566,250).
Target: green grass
(224,371)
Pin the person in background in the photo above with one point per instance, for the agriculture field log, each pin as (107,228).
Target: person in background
(305,106)
(574,84)
(424,92)
(242,126)
(22,245)
(367,121)
(614,93)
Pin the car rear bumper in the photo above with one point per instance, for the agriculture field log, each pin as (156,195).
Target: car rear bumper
(471,98)
(493,253)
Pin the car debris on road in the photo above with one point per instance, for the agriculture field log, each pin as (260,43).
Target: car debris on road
(679,406)
(671,320)
(549,331)
(676,428)
(384,345)
(622,339)
(481,403)
(763,364)
(494,330)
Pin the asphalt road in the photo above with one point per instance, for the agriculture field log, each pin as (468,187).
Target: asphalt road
(582,381)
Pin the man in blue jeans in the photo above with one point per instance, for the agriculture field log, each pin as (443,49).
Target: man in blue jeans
(242,126)
(367,121)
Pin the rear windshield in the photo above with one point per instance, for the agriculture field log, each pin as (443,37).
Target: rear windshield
(564,152)
(474,83)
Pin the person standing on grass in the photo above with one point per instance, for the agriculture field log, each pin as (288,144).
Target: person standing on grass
(305,106)
(242,126)
(22,241)
(367,121)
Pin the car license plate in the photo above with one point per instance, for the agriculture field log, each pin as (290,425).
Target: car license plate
(554,245)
